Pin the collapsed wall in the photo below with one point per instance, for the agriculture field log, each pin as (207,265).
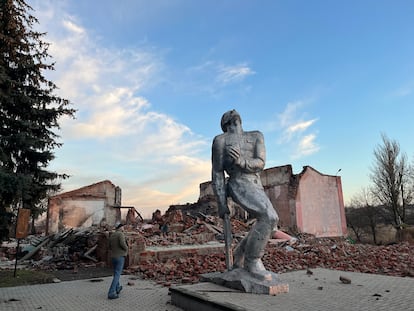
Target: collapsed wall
(84,207)
(308,202)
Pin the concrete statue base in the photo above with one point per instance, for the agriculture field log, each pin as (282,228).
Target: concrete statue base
(242,280)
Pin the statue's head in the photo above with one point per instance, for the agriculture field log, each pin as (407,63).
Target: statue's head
(228,117)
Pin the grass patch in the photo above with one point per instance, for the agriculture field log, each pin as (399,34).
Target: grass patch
(24,277)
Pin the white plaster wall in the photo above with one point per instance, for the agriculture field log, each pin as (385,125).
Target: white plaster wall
(82,213)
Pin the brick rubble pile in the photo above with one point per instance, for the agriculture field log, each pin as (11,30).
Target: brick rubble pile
(303,252)
(73,249)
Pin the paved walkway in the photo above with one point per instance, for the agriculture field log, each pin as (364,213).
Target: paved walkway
(319,291)
(87,295)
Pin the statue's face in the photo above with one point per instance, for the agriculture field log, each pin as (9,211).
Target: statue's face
(233,125)
(227,118)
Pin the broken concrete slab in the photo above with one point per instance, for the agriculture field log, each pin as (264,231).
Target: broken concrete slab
(242,280)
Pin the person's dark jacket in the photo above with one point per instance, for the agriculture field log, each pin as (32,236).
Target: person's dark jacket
(117,244)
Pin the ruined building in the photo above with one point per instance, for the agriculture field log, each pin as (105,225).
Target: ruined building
(308,202)
(84,207)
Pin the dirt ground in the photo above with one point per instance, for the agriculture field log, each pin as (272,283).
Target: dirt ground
(82,273)
(11,278)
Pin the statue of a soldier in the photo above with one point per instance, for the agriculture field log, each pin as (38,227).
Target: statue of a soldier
(242,156)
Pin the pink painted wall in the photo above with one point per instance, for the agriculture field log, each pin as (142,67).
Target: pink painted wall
(308,202)
(319,204)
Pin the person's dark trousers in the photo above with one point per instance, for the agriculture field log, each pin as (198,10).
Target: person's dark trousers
(118,265)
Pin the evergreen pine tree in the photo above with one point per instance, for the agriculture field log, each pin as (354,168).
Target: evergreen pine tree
(29,112)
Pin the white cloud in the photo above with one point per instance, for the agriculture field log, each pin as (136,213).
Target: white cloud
(116,134)
(300,126)
(306,146)
(295,130)
(71,26)
(286,118)
(229,74)
(147,196)
(212,77)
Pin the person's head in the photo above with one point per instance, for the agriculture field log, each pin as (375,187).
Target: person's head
(229,117)
(119,226)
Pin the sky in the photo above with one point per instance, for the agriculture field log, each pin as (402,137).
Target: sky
(150,80)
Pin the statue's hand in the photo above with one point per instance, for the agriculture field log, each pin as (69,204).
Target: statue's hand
(222,210)
(235,154)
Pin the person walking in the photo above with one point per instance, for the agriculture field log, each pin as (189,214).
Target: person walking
(119,249)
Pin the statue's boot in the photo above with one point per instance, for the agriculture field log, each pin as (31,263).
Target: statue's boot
(254,250)
(257,269)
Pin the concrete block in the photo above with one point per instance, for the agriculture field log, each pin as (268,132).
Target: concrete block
(242,280)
